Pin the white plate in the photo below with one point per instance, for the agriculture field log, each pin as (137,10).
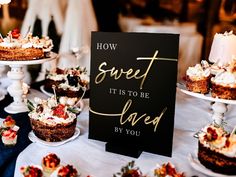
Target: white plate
(194,162)
(45,92)
(35,139)
(208,96)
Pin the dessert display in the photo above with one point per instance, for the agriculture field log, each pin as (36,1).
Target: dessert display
(198,78)
(50,162)
(52,120)
(15,46)
(31,171)
(217,149)
(72,82)
(9,131)
(167,170)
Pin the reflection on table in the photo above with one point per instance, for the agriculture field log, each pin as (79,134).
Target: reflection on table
(190,45)
(90,158)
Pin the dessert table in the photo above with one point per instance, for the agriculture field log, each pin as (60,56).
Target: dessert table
(90,158)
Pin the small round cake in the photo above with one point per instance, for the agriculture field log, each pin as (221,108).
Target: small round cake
(17,47)
(217,149)
(51,120)
(50,162)
(31,171)
(223,86)
(198,79)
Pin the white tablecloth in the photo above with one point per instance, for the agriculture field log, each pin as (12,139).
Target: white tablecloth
(90,158)
(190,45)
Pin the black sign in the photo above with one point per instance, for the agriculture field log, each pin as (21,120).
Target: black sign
(133,86)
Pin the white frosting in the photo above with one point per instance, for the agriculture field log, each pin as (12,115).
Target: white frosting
(225,78)
(27,42)
(56,77)
(223,48)
(46,115)
(66,86)
(197,72)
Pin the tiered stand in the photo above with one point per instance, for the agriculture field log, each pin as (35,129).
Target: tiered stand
(219,106)
(16,74)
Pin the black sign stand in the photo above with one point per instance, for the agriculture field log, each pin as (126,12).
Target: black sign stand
(127,149)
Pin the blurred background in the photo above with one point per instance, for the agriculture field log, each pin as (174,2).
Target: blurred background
(69,22)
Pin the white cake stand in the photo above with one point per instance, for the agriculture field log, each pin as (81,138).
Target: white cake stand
(219,106)
(16,74)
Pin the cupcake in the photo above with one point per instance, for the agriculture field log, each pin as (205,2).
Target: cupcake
(9,137)
(9,122)
(66,171)
(198,78)
(224,86)
(31,171)
(130,170)
(167,170)
(50,163)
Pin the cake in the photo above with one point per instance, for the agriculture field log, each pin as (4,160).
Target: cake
(31,171)
(67,170)
(198,78)
(72,82)
(223,48)
(15,46)
(51,120)
(50,162)
(9,122)
(167,170)
(217,149)
(223,86)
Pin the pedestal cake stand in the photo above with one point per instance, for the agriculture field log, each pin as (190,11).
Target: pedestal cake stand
(219,106)
(16,74)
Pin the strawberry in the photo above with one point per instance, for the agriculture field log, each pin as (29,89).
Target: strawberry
(15,33)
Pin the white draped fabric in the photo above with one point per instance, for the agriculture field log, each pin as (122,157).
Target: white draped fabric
(79,22)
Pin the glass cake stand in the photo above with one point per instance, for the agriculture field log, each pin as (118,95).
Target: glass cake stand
(16,74)
(219,106)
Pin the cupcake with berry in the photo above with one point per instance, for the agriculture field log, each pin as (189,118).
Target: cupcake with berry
(130,170)
(167,170)
(9,137)
(31,171)
(65,171)
(9,122)
(50,162)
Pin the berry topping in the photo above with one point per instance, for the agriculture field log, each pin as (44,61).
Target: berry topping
(31,171)
(15,33)
(51,160)
(67,170)
(60,111)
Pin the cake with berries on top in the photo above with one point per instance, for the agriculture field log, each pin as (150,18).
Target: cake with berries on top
(52,120)
(217,149)
(15,46)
